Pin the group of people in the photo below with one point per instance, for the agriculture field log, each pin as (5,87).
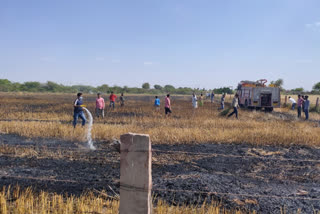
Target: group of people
(100,106)
(167,104)
(210,96)
(195,100)
(303,104)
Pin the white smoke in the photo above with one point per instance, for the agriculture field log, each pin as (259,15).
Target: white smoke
(89,138)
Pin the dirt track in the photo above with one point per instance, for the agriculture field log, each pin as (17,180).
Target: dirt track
(288,177)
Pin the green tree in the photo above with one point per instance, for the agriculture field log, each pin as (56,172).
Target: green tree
(158,87)
(125,88)
(103,88)
(223,90)
(53,87)
(146,85)
(316,87)
(16,86)
(31,86)
(278,83)
(169,88)
(5,85)
(298,90)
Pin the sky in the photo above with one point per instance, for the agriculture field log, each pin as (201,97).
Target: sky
(185,43)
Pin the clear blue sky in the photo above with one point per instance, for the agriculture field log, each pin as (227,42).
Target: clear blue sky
(195,43)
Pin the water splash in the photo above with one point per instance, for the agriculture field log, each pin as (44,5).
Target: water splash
(89,138)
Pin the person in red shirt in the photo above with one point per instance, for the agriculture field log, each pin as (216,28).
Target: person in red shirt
(112,99)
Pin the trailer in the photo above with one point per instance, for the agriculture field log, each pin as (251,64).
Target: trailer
(257,95)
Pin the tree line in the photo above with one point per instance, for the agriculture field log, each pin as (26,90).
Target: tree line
(32,86)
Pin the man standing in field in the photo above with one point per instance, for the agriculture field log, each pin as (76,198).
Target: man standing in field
(157,103)
(222,102)
(112,99)
(212,97)
(78,111)
(235,104)
(100,105)
(122,100)
(300,102)
(201,100)
(167,106)
(194,101)
(293,103)
(306,107)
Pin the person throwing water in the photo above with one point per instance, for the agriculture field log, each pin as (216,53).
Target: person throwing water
(78,111)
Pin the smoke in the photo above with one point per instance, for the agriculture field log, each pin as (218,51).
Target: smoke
(89,138)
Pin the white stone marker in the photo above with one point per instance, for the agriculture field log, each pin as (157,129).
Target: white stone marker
(135,174)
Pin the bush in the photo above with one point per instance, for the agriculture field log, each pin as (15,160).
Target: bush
(225,112)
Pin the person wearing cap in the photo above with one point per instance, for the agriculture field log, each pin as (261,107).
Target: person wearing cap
(100,105)
(78,111)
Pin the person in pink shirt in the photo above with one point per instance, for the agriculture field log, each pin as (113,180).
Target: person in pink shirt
(100,106)
(167,105)
(300,102)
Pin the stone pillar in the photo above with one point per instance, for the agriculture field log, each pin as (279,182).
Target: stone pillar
(135,174)
(317,103)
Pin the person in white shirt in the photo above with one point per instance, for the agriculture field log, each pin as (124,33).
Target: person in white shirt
(194,101)
(294,103)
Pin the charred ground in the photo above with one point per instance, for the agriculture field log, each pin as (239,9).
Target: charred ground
(265,178)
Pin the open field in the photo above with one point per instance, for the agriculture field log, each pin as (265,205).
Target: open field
(51,115)
(263,162)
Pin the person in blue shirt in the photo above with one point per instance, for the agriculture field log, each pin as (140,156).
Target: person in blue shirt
(78,111)
(157,103)
(212,96)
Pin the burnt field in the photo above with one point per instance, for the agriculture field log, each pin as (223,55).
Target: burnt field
(255,163)
(265,179)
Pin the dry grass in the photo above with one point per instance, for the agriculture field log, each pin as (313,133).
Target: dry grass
(50,116)
(27,201)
